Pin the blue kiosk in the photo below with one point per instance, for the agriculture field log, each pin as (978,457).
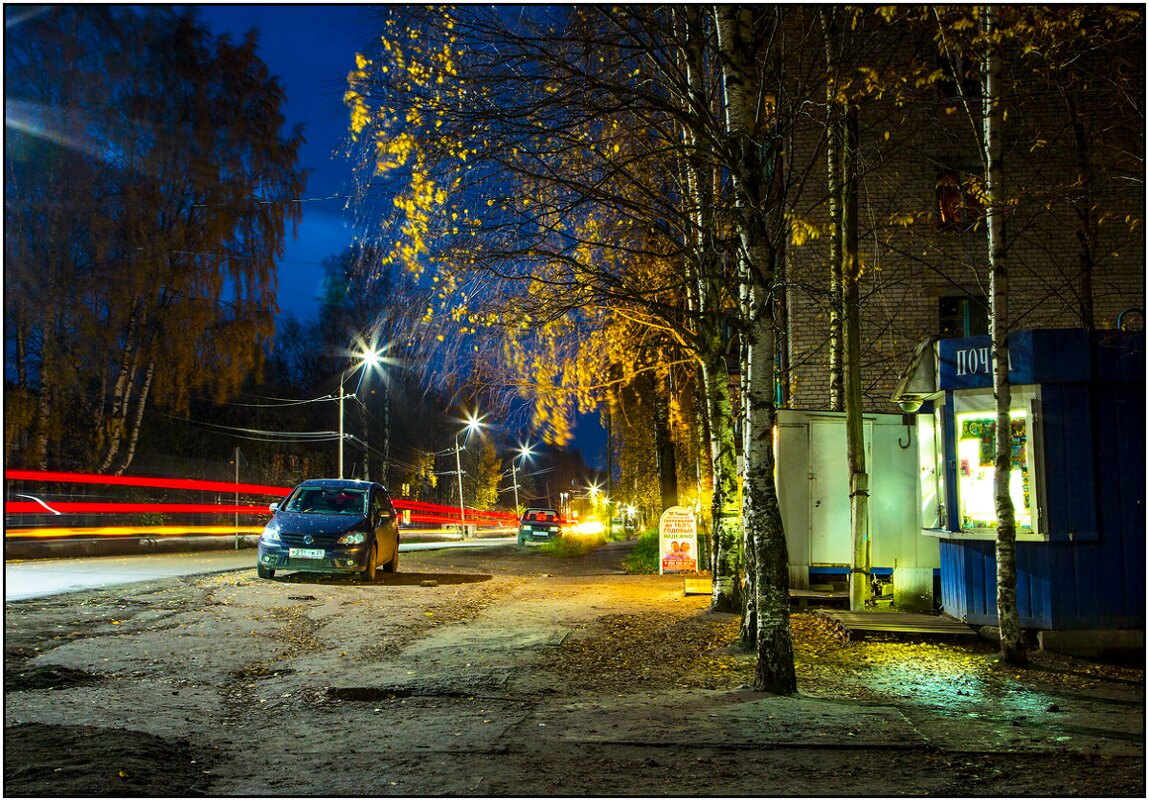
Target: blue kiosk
(1077,482)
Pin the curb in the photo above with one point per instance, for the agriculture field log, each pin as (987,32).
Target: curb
(124,546)
(22,549)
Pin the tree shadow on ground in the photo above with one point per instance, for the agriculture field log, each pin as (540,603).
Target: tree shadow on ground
(382,579)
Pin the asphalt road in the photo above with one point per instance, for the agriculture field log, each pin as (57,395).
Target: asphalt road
(41,577)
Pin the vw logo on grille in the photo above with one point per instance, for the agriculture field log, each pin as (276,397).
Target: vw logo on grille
(307,540)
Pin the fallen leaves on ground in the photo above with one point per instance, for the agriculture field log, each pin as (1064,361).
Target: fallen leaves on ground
(625,650)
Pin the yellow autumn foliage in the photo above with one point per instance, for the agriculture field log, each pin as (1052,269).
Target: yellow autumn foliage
(801,230)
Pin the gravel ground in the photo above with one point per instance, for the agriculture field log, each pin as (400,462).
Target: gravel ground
(507,672)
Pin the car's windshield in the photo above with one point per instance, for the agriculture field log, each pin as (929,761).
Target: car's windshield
(327,501)
(540,516)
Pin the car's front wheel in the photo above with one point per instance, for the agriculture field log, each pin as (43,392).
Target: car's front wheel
(264,572)
(368,572)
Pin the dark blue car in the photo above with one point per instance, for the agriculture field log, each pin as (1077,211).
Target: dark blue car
(329,525)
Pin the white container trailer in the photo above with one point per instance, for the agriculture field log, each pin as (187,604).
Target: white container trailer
(813,491)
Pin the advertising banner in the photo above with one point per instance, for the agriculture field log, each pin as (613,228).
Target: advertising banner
(677,541)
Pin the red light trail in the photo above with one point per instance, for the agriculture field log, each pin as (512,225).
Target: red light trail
(420,511)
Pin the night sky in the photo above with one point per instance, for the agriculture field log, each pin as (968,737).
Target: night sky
(311,49)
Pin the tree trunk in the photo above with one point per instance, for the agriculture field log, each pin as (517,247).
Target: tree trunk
(758,202)
(21,344)
(860,587)
(115,422)
(1083,202)
(38,458)
(748,631)
(1012,644)
(726,533)
(834,195)
(726,537)
(766,541)
(664,446)
(138,418)
(385,470)
(704,477)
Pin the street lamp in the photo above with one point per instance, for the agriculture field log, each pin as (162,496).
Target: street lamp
(524,452)
(369,357)
(473,424)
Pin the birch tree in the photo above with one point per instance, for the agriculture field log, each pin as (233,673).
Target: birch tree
(993,113)
(855,425)
(711,280)
(845,362)
(755,131)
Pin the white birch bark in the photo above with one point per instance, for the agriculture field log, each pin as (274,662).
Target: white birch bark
(1012,645)
(726,533)
(754,177)
(860,587)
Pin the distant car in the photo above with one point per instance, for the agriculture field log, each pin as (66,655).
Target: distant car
(540,525)
(329,525)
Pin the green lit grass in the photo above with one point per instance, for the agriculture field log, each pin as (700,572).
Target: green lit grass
(571,546)
(644,557)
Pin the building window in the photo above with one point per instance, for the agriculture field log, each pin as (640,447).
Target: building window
(960,81)
(976,448)
(962,316)
(955,200)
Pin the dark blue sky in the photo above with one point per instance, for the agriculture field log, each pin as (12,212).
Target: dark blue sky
(311,48)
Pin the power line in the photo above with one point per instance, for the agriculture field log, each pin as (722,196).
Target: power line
(262,434)
(334,436)
(284,402)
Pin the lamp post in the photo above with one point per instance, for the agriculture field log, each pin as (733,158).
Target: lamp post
(524,452)
(370,357)
(473,424)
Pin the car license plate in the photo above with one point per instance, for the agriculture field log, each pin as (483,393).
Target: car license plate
(306,553)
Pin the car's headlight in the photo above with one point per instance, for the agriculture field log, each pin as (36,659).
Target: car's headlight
(270,533)
(554,529)
(525,528)
(352,538)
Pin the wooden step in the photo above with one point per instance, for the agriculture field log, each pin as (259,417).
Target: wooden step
(899,623)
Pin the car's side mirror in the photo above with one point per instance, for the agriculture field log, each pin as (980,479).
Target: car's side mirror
(274,507)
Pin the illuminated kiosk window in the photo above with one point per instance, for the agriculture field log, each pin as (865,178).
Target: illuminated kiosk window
(976,446)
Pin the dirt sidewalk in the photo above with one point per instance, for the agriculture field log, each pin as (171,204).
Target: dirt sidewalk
(506,672)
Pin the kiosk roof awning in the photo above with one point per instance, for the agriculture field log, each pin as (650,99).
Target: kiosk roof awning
(918,382)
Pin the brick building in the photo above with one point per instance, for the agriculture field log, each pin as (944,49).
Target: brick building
(922,240)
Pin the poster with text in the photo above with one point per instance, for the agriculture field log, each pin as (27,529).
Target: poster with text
(677,541)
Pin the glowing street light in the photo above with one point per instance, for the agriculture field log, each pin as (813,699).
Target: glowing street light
(473,424)
(368,357)
(524,452)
